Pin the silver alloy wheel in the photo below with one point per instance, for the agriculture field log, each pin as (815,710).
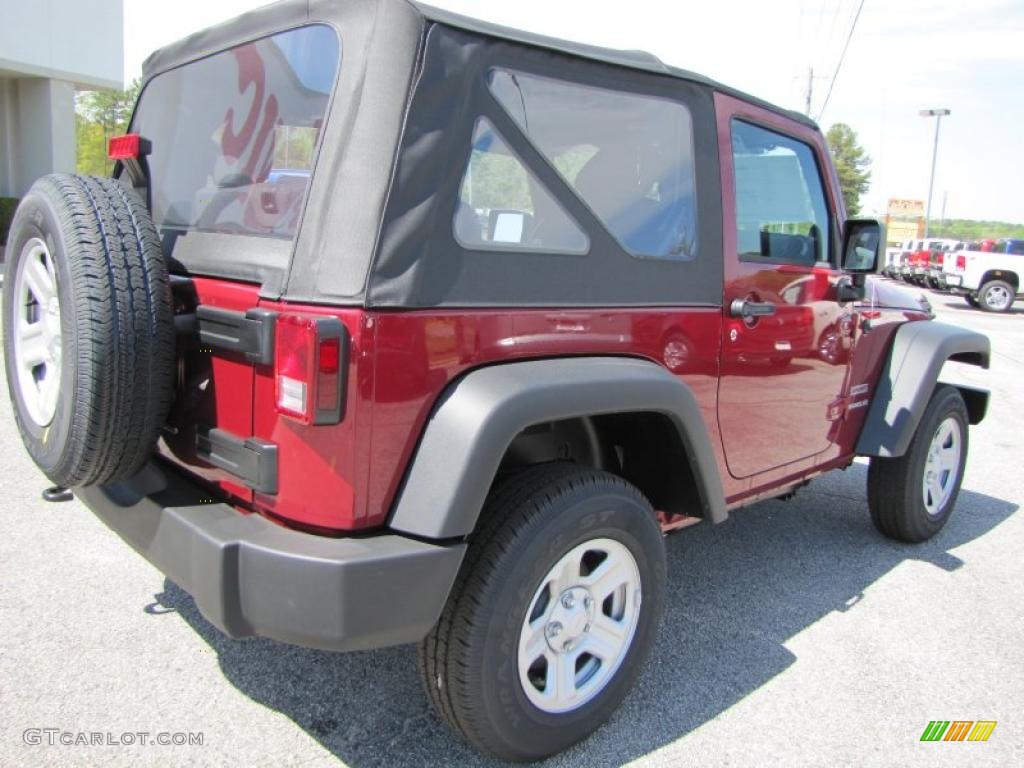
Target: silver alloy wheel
(998,298)
(942,466)
(37,334)
(579,626)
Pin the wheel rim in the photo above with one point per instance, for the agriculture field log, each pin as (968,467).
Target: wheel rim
(829,347)
(37,336)
(998,297)
(942,466)
(579,626)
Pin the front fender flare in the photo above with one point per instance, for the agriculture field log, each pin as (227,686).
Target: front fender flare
(919,350)
(477,417)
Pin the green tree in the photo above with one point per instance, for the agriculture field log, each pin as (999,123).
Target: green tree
(99,115)
(852,164)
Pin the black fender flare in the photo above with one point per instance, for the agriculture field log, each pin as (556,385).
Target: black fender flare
(911,373)
(477,417)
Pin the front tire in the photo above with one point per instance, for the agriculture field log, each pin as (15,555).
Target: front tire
(912,496)
(552,616)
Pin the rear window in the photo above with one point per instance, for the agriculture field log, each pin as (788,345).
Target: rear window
(235,135)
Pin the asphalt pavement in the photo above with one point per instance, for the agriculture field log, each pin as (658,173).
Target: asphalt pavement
(794,635)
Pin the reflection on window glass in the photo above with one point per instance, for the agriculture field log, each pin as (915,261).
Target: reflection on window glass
(630,157)
(503,205)
(234,135)
(781,213)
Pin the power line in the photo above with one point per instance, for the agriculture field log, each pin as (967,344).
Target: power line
(817,29)
(832,25)
(842,58)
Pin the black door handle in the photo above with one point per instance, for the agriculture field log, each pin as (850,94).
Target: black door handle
(747,309)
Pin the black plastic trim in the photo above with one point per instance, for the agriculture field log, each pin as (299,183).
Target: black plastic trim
(478,416)
(919,350)
(250,334)
(332,328)
(250,576)
(251,460)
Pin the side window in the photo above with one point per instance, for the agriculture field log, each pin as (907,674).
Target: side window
(781,213)
(503,206)
(628,156)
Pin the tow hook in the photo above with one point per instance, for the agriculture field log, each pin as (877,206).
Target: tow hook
(57,493)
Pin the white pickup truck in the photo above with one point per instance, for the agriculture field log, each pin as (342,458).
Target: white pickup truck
(988,280)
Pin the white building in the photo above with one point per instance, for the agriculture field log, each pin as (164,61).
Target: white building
(48,50)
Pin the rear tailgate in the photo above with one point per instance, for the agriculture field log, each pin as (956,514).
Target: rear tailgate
(215,383)
(231,144)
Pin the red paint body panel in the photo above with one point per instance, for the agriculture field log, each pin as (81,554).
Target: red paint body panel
(784,377)
(321,469)
(419,353)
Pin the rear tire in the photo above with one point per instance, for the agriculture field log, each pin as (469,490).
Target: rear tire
(996,296)
(88,329)
(912,496)
(972,300)
(524,609)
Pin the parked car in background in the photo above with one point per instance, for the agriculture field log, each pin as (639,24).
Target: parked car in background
(939,250)
(988,280)
(893,258)
(910,247)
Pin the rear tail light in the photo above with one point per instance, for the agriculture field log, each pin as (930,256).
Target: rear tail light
(310,358)
(961,263)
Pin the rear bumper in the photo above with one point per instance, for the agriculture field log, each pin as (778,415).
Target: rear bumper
(249,576)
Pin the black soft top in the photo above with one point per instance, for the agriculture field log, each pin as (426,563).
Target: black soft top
(376,237)
(269,17)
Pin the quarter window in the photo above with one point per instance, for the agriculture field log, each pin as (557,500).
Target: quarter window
(502,206)
(628,156)
(781,214)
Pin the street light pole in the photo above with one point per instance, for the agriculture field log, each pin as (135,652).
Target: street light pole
(938,114)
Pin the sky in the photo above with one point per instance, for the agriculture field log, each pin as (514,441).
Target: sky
(904,56)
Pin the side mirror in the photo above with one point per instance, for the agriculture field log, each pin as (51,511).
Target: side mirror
(862,243)
(507,226)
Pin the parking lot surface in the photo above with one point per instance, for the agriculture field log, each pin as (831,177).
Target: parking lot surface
(794,635)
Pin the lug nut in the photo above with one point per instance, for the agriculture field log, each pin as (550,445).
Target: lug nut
(586,627)
(567,601)
(588,603)
(554,629)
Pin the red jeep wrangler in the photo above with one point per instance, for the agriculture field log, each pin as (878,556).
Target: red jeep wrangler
(394,326)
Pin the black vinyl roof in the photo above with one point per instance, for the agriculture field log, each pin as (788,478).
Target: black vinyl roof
(366,145)
(631,59)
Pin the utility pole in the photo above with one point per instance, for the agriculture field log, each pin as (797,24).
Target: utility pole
(945,199)
(938,114)
(810,90)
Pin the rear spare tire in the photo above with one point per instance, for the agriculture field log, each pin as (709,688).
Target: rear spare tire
(88,329)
